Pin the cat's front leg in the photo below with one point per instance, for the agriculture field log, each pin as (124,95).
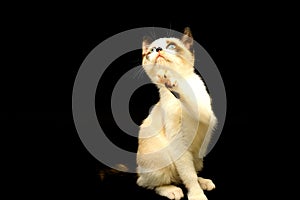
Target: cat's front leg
(187,172)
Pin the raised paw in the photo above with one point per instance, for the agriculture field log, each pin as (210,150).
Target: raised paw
(206,184)
(165,79)
(170,191)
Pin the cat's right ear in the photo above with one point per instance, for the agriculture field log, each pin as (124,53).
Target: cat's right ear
(187,39)
(146,42)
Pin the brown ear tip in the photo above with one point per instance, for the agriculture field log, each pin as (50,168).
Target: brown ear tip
(187,31)
(187,28)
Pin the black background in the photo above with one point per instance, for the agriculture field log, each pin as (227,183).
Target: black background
(44,50)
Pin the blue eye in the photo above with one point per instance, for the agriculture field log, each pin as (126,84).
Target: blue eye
(171,46)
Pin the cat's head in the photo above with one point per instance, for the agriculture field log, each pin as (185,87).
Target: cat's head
(170,53)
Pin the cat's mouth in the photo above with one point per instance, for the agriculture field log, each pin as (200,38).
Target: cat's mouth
(160,57)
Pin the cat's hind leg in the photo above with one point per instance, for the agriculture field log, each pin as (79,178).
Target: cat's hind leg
(206,184)
(170,191)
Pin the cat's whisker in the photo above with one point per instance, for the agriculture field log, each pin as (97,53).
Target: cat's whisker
(169,34)
(139,72)
(142,72)
(136,73)
(153,34)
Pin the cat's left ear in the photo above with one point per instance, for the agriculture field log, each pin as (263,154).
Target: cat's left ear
(146,42)
(187,39)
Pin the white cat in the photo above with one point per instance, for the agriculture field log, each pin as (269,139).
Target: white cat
(173,138)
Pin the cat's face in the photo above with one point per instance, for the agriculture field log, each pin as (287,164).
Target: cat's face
(168,53)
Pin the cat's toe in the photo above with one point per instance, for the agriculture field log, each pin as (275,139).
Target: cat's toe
(171,192)
(170,83)
(206,184)
(178,194)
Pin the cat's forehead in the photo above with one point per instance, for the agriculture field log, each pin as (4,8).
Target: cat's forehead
(163,42)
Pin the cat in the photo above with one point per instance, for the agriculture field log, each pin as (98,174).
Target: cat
(179,126)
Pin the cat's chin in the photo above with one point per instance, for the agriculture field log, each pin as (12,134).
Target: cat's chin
(159,58)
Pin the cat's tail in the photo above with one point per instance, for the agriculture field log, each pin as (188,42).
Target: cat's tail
(118,172)
(118,184)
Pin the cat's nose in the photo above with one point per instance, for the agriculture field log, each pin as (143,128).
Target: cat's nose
(158,49)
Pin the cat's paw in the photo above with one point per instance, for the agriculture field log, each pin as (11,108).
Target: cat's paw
(197,196)
(164,78)
(170,191)
(206,184)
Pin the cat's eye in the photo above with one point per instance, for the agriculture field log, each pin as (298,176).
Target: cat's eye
(171,46)
(152,49)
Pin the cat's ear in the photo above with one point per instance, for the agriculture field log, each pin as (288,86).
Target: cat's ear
(146,42)
(187,39)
